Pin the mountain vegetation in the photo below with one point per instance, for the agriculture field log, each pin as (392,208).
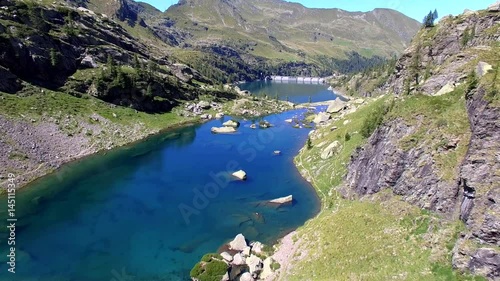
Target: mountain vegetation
(412,193)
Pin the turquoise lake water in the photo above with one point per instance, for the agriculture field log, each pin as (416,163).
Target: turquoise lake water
(117,216)
(294,92)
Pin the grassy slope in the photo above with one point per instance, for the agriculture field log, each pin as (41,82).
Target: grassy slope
(379,237)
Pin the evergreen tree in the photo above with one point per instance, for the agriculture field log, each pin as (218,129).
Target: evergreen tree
(430,18)
(111,65)
(435,14)
(54,57)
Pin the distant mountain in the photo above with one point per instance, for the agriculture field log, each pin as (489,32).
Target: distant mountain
(230,40)
(280,29)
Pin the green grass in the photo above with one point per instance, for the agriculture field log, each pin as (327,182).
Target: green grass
(438,121)
(59,105)
(381,237)
(330,172)
(365,241)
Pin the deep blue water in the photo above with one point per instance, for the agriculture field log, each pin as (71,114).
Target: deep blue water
(295,92)
(119,213)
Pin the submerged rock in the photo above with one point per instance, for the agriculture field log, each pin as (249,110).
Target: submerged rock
(242,175)
(282,200)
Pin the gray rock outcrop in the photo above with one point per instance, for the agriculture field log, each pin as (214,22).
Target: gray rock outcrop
(239,243)
(331,150)
(322,117)
(336,106)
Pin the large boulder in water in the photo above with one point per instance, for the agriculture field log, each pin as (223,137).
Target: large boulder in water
(231,123)
(242,175)
(239,243)
(223,130)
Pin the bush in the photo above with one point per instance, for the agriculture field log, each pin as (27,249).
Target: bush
(309,143)
(471,83)
(372,122)
(347,137)
(209,257)
(213,270)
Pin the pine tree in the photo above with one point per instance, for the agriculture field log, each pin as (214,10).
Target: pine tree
(111,65)
(54,57)
(430,18)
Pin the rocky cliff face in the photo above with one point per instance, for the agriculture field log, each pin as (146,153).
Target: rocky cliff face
(71,49)
(438,55)
(453,172)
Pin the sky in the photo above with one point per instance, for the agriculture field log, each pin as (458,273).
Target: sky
(411,8)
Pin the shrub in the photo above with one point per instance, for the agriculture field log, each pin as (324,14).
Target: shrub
(347,137)
(213,270)
(309,143)
(372,122)
(471,83)
(209,257)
